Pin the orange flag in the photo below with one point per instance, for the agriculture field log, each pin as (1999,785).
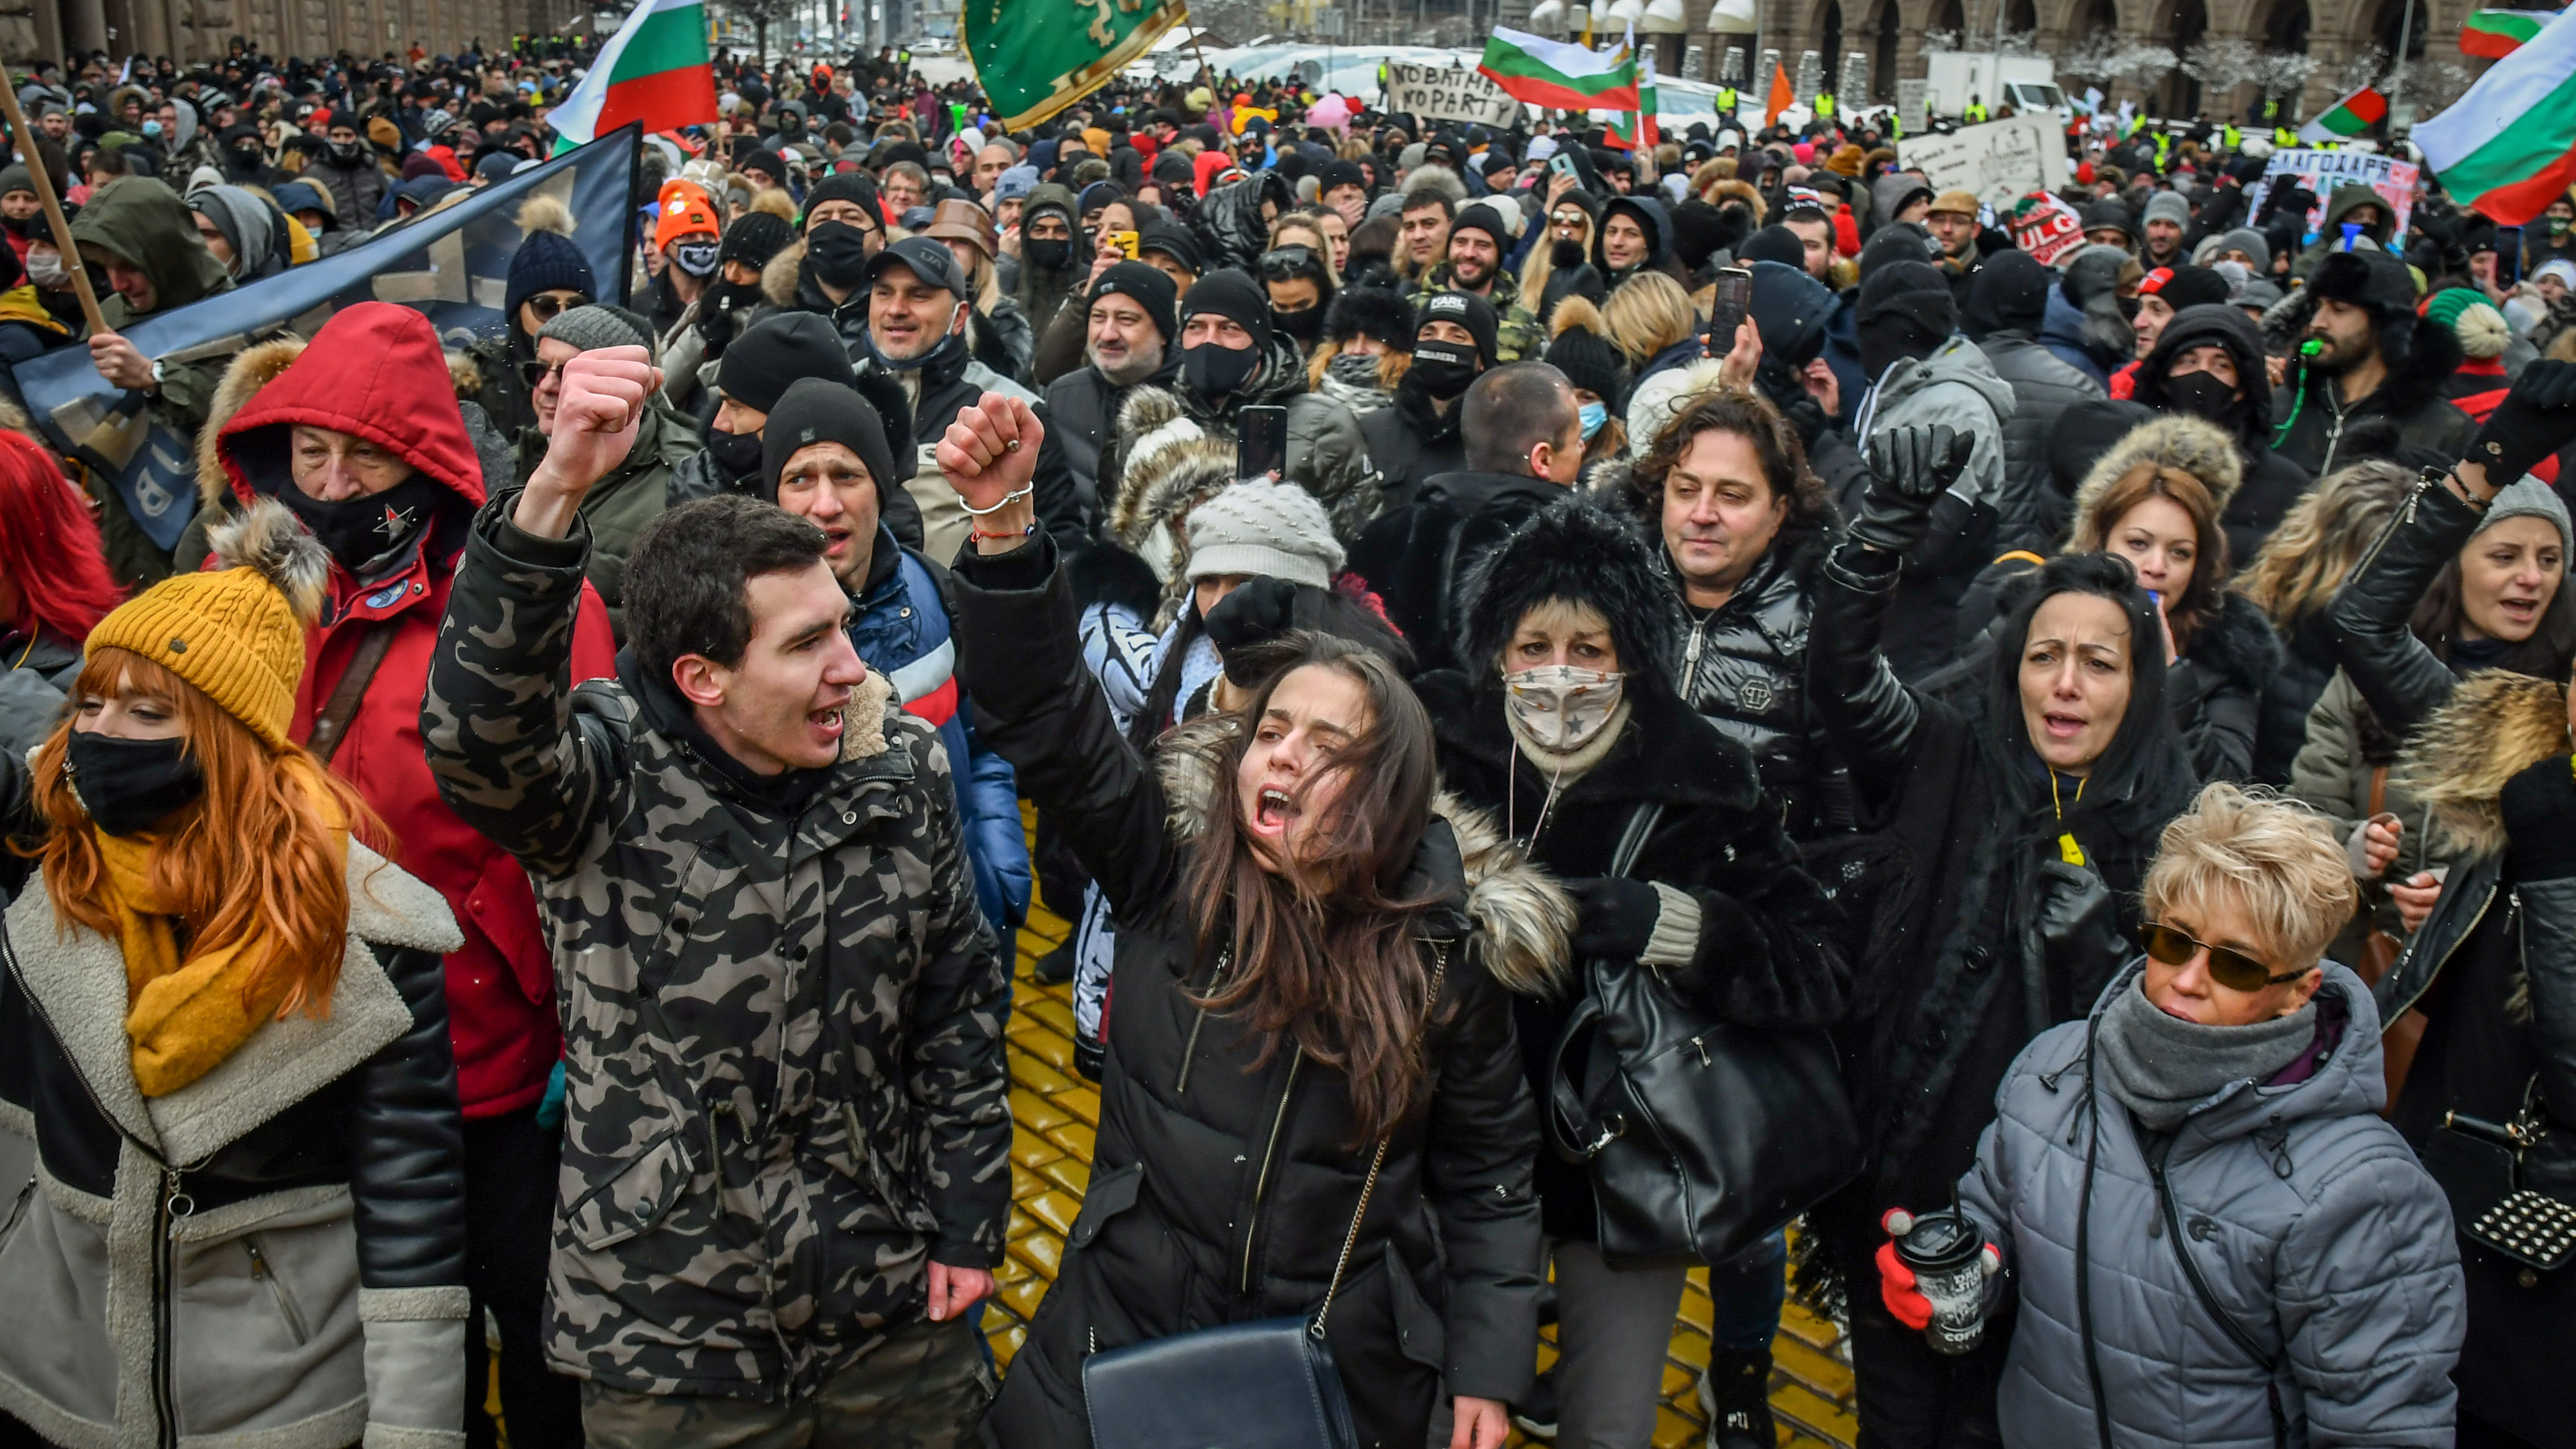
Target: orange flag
(1781,99)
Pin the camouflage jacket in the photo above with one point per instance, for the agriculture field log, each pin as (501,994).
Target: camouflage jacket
(782,1025)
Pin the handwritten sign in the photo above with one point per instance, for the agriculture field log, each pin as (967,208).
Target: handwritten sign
(1448,93)
(2000,162)
(2322,171)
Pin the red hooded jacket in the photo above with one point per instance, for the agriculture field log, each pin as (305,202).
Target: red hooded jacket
(376,371)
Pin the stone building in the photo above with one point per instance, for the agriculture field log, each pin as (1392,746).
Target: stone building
(189,30)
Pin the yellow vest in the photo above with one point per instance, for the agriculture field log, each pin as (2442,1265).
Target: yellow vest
(1825,105)
(1975,112)
(1726,100)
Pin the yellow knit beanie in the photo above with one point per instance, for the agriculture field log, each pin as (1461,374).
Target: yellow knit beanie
(236,632)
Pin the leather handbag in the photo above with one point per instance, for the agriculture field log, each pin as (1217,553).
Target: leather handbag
(1268,1384)
(2479,1165)
(1701,1137)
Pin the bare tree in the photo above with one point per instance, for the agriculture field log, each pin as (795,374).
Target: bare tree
(1940,40)
(2363,67)
(2282,74)
(2220,63)
(2142,65)
(2090,59)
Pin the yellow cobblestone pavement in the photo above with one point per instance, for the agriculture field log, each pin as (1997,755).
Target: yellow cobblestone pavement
(1054,1115)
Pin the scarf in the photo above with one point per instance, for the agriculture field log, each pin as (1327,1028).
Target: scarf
(186,1010)
(2160,1066)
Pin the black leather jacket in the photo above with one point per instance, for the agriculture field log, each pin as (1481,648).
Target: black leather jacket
(1744,669)
(2402,680)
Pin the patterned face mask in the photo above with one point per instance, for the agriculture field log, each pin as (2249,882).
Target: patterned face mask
(1561,707)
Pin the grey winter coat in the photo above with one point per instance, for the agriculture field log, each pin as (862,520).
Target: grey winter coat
(2307,1218)
(1957,386)
(2043,387)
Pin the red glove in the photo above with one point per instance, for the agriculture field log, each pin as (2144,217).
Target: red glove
(1896,1290)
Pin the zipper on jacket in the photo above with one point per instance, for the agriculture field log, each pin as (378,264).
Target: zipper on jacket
(1690,660)
(1190,1053)
(17,1210)
(175,1206)
(2405,515)
(277,1289)
(1261,1184)
(2463,939)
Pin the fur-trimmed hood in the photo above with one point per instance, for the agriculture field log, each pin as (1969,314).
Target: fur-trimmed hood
(778,276)
(255,367)
(2496,724)
(1520,920)
(2431,354)
(2178,441)
(1577,550)
(2238,644)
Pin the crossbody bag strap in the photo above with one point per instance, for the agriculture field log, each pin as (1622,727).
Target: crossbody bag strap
(331,726)
(1368,1186)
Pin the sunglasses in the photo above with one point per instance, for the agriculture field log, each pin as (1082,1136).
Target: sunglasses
(534,373)
(546,306)
(1287,262)
(2232,969)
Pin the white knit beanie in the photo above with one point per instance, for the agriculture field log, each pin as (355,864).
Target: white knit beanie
(1260,527)
(2482,330)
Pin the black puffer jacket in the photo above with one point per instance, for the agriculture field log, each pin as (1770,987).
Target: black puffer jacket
(2043,388)
(1744,669)
(293,1219)
(1231,229)
(1417,559)
(1769,947)
(1412,442)
(1221,1191)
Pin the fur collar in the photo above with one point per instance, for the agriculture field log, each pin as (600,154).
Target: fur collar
(1521,921)
(1171,465)
(2178,441)
(2496,724)
(778,275)
(251,369)
(78,978)
(2432,356)
(2238,644)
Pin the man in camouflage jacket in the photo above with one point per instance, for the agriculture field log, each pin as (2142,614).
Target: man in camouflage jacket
(787,1127)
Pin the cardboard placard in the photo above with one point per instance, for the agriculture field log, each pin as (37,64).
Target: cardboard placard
(1448,93)
(2000,161)
(2322,171)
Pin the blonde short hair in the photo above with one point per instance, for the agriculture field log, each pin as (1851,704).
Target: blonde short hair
(1648,313)
(2277,858)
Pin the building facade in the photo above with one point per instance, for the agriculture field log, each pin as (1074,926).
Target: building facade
(195,30)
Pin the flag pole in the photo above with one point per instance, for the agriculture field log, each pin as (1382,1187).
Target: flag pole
(2397,85)
(43,182)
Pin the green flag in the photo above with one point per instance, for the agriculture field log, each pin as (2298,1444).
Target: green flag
(1036,57)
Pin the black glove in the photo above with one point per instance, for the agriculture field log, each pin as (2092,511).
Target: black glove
(2536,419)
(1913,468)
(1257,614)
(1614,916)
(2538,805)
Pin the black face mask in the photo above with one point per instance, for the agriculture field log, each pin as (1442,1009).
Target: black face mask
(129,786)
(361,532)
(1304,326)
(1891,338)
(247,161)
(1049,254)
(1440,370)
(2201,394)
(344,152)
(839,252)
(1213,371)
(738,454)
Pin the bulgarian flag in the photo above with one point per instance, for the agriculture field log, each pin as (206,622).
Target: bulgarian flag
(1629,130)
(2346,118)
(1558,76)
(655,69)
(2508,147)
(2495,34)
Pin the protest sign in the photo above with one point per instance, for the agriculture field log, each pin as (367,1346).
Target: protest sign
(2047,228)
(1447,93)
(453,265)
(2000,162)
(2322,171)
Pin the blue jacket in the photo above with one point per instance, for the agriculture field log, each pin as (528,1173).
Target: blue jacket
(901,629)
(2062,332)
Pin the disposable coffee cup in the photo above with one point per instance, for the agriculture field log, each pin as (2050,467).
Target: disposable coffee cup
(1944,1250)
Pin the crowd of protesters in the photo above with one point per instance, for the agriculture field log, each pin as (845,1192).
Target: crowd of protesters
(556,813)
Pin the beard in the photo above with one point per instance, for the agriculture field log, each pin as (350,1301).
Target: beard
(1468,276)
(2338,357)
(1135,364)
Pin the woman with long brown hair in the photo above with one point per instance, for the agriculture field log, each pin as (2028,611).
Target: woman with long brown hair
(1314,968)
(224,1033)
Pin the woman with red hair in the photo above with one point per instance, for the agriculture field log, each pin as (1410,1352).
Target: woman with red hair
(54,588)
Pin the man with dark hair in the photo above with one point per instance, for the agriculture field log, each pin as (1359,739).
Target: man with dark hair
(1422,231)
(2372,360)
(1129,340)
(1480,238)
(822,877)
(1524,448)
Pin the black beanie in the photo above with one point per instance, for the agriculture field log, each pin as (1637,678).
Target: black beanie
(2193,286)
(1337,173)
(1915,288)
(1591,364)
(816,411)
(846,186)
(1467,310)
(1773,243)
(1149,288)
(1898,241)
(779,351)
(754,238)
(1234,296)
(1483,217)
(2010,292)
(1174,241)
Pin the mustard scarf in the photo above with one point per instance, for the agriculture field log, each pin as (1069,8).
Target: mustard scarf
(186,1010)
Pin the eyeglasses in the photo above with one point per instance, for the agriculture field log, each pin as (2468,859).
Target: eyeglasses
(546,305)
(1287,262)
(535,373)
(2232,969)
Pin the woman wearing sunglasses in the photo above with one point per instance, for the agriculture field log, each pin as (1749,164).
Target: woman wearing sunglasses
(2213,1237)
(2020,815)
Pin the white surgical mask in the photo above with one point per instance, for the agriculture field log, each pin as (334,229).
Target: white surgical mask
(1560,707)
(45,269)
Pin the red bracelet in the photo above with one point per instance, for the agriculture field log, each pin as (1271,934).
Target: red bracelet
(975,535)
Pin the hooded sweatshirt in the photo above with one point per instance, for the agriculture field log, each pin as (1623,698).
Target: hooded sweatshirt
(142,222)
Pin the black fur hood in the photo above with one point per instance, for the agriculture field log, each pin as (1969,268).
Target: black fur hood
(2422,357)
(2239,645)
(1576,550)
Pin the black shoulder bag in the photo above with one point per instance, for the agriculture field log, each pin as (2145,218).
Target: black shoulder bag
(1280,1387)
(2479,1165)
(1702,1137)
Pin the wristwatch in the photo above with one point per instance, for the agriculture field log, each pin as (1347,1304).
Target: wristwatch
(156,376)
